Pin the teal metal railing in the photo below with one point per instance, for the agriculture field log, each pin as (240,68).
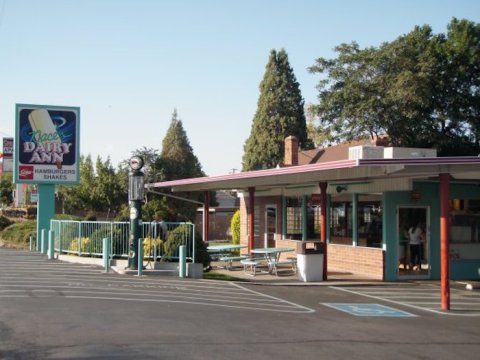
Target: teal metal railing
(85,238)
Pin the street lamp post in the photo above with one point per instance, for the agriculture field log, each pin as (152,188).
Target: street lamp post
(135,198)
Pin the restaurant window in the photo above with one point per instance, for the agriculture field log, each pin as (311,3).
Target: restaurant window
(256,223)
(294,213)
(341,223)
(313,221)
(370,224)
(294,217)
(465,221)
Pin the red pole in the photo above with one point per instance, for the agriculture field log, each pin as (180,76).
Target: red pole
(251,217)
(444,241)
(323,225)
(206,216)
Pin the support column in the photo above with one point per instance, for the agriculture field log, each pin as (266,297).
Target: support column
(206,216)
(444,241)
(251,217)
(284,217)
(354,219)
(323,225)
(45,209)
(304,218)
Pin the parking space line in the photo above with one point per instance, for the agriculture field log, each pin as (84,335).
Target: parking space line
(413,299)
(36,279)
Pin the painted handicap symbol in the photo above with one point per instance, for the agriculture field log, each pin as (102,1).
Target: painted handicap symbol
(369,310)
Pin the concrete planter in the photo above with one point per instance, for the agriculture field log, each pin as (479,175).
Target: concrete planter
(195,270)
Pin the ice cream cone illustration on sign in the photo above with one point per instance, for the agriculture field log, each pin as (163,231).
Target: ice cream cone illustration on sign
(44,132)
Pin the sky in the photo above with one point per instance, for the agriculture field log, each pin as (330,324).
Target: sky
(128,64)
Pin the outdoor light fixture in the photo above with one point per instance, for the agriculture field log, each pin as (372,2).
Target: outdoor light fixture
(341,188)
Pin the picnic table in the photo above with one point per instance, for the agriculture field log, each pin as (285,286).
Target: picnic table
(225,253)
(272,257)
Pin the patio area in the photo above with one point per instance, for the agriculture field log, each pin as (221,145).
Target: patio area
(286,276)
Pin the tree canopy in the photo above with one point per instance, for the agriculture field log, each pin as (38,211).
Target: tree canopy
(421,90)
(6,188)
(100,188)
(280,113)
(105,189)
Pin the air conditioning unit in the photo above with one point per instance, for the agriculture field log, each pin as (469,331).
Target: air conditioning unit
(401,152)
(365,152)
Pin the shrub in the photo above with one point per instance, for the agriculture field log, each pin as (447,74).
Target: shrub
(235,227)
(4,222)
(201,254)
(148,245)
(84,245)
(18,234)
(66,217)
(179,236)
(123,214)
(91,216)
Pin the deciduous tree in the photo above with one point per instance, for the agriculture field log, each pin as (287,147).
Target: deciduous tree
(422,90)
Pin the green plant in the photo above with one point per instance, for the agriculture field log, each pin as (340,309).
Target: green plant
(4,222)
(84,245)
(148,246)
(91,216)
(235,227)
(182,235)
(66,217)
(18,234)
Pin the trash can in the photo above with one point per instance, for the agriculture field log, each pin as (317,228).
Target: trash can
(310,260)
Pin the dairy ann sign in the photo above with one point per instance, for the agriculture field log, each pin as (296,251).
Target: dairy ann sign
(47,144)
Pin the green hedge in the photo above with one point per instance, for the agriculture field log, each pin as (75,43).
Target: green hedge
(175,239)
(18,234)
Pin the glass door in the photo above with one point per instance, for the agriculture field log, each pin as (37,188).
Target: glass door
(413,241)
(270,225)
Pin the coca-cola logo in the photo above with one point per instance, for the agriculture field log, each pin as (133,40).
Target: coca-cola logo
(25,172)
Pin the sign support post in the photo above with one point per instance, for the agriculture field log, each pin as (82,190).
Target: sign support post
(45,207)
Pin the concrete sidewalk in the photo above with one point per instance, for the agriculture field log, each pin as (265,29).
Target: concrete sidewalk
(286,276)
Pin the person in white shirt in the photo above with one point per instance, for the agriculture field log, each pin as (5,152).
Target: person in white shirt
(416,240)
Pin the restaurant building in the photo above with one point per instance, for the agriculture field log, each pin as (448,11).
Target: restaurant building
(360,199)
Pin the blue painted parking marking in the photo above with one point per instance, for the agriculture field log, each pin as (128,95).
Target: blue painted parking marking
(369,310)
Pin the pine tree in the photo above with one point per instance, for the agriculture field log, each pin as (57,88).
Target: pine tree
(179,162)
(280,113)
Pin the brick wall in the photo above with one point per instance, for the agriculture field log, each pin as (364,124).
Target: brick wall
(356,260)
(344,258)
(287,244)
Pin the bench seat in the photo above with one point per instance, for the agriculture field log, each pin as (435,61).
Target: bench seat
(228,260)
(251,263)
(291,261)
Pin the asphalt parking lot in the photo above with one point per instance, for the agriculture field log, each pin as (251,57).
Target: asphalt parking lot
(55,310)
